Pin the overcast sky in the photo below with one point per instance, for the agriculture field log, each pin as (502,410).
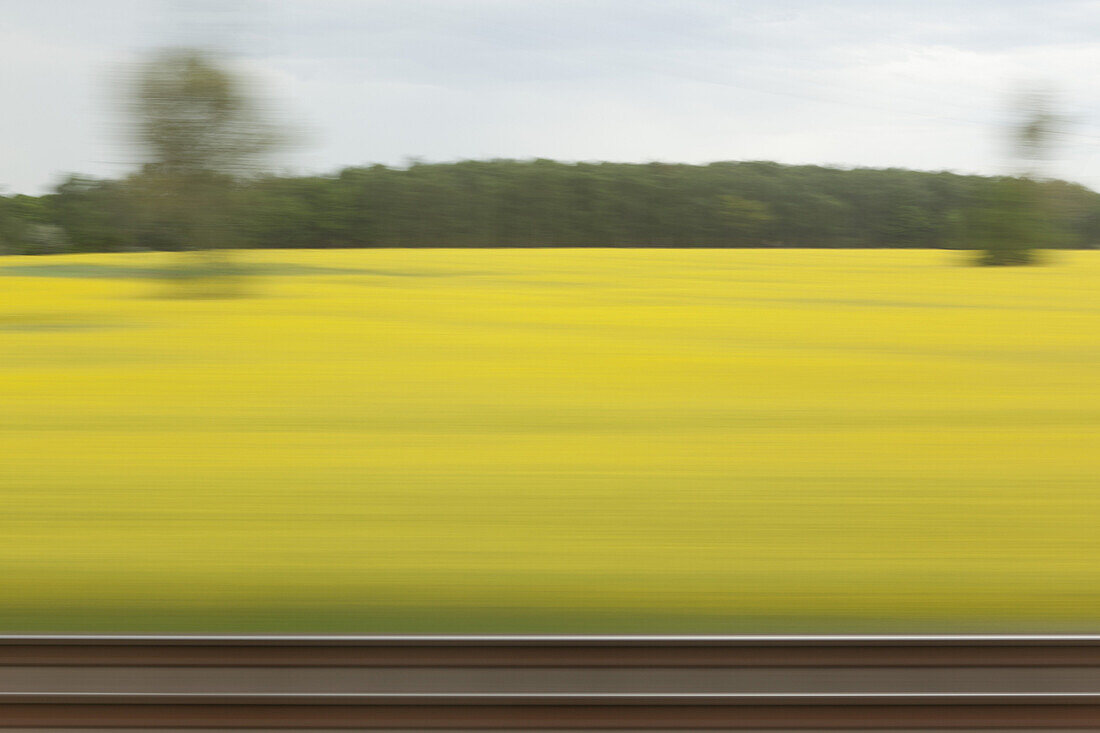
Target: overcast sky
(921,84)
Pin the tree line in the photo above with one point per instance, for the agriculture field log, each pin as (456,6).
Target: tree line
(545,203)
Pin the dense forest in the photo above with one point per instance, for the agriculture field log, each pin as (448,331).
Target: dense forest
(544,203)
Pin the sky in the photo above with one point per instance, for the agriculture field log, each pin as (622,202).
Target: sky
(924,84)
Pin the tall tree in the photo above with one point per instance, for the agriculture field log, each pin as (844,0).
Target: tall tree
(1012,223)
(201,131)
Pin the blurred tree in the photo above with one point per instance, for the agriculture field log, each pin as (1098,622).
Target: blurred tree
(97,215)
(202,132)
(1011,225)
(1034,130)
(26,228)
(1008,226)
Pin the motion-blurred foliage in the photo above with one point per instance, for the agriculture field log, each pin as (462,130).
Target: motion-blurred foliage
(203,133)
(544,203)
(1018,216)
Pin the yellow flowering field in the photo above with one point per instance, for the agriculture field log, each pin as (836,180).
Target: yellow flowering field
(551,440)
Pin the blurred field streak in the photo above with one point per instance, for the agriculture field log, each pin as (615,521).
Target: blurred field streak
(594,440)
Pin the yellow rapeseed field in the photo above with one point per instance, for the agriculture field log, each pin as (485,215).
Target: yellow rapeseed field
(552,440)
